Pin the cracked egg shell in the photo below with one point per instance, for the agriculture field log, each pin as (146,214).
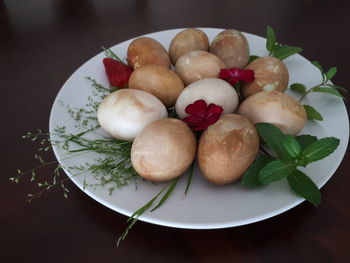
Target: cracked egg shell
(227,148)
(196,65)
(276,108)
(146,50)
(232,47)
(270,74)
(125,112)
(163,150)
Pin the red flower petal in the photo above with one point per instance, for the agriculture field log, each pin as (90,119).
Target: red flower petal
(201,116)
(225,73)
(214,109)
(233,75)
(199,107)
(247,75)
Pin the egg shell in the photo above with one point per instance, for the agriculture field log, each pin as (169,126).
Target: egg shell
(163,150)
(211,90)
(124,113)
(270,74)
(227,148)
(196,65)
(146,50)
(188,40)
(232,47)
(276,108)
(159,81)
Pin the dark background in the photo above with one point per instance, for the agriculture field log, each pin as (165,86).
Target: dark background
(43,42)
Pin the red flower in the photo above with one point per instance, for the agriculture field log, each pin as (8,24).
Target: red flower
(117,72)
(201,116)
(233,75)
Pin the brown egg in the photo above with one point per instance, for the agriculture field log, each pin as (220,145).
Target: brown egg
(146,50)
(276,108)
(270,74)
(188,40)
(227,148)
(232,47)
(159,81)
(196,65)
(163,150)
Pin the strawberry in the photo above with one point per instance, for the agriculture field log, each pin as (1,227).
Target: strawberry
(117,72)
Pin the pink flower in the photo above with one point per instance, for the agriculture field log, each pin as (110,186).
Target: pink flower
(233,75)
(201,116)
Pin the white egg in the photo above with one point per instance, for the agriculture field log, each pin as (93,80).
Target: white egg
(124,113)
(211,90)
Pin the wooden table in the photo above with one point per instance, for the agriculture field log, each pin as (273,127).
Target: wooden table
(43,42)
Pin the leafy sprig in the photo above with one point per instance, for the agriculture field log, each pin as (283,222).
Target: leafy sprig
(276,49)
(291,152)
(324,87)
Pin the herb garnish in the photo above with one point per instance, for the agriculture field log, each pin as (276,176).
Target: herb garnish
(291,152)
(276,49)
(324,87)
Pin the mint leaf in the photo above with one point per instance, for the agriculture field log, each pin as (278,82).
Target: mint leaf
(276,170)
(305,187)
(328,90)
(320,68)
(331,72)
(319,150)
(274,137)
(270,39)
(252,58)
(312,113)
(298,87)
(284,51)
(291,145)
(251,175)
(305,140)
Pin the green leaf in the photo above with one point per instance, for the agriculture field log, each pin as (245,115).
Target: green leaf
(284,51)
(331,72)
(302,185)
(320,68)
(252,58)
(251,175)
(298,87)
(337,87)
(319,149)
(189,178)
(270,39)
(329,91)
(166,195)
(305,140)
(312,113)
(291,145)
(276,170)
(274,137)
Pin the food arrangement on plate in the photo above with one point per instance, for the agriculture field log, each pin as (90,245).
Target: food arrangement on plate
(210,103)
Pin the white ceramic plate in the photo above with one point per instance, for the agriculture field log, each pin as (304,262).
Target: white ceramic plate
(207,206)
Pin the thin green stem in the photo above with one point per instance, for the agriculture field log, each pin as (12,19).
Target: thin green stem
(311,89)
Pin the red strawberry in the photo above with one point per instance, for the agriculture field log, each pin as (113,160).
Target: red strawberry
(117,72)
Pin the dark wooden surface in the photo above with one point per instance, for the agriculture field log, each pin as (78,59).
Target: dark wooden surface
(43,42)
